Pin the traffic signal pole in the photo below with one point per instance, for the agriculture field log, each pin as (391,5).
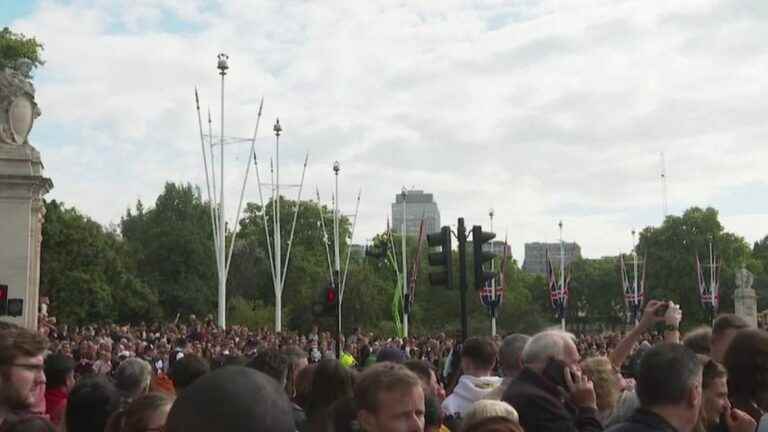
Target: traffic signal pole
(461,233)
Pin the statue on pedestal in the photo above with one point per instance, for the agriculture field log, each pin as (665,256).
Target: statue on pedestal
(745,298)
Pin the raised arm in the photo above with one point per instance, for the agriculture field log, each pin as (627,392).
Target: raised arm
(624,348)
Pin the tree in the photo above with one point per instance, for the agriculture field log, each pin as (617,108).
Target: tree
(15,46)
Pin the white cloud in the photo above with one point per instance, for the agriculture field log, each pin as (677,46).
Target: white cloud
(566,107)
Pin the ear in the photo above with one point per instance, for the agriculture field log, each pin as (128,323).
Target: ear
(694,396)
(367,420)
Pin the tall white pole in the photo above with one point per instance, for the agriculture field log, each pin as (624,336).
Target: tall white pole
(405,266)
(634,253)
(562,274)
(278,252)
(222,66)
(337,257)
(665,207)
(493,282)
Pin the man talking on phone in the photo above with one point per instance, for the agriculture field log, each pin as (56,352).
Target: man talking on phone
(551,394)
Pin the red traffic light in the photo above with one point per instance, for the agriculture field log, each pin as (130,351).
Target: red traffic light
(330,295)
(3,292)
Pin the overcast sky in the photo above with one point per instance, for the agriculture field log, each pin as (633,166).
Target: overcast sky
(542,110)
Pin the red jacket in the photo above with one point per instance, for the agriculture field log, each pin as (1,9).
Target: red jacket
(56,403)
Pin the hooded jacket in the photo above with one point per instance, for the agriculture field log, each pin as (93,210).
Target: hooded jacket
(468,391)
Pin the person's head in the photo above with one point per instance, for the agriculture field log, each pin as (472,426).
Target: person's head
(714,385)
(427,376)
(188,369)
(29,424)
(511,354)
(273,363)
(724,329)
(145,414)
(669,380)
(90,404)
(303,385)
(605,379)
(297,360)
(59,372)
(391,354)
(699,340)
(21,367)
(433,414)
(491,415)
(548,345)
(478,356)
(390,398)
(133,377)
(746,361)
(232,399)
(331,382)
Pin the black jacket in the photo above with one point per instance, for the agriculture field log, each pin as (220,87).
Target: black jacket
(544,407)
(644,421)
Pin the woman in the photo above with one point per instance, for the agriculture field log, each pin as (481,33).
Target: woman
(145,414)
(331,382)
(746,361)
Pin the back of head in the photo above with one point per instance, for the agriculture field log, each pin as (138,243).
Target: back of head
(699,340)
(19,342)
(600,372)
(727,322)
(232,399)
(481,351)
(511,352)
(133,377)
(188,369)
(57,368)
(331,382)
(271,362)
(666,374)
(546,345)
(139,414)
(390,354)
(90,404)
(382,378)
(746,361)
(421,368)
(28,424)
(491,415)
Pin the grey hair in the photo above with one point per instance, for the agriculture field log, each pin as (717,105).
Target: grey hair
(545,345)
(133,376)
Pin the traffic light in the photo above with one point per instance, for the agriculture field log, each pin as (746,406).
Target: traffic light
(442,258)
(480,237)
(3,300)
(328,304)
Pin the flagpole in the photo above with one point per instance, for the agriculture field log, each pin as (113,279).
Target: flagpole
(222,66)
(337,258)
(405,269)
(562,275)
(636,298)
(493,284)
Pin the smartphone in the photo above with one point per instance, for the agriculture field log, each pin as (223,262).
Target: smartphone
(554,371)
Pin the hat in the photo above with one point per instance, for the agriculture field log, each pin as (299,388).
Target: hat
(390,354)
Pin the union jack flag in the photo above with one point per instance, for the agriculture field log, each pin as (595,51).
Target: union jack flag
(558,295)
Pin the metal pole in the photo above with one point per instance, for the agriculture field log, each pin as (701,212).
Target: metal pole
(637,299)
(222,66)
(562,274)
(278,253)
(493,284)
(405,267)
(461,232)
(337,257)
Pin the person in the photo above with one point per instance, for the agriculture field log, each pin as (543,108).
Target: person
(551,394)
(699,340)
(21,370)
(147,413)
(491,415)
(715,404)
(669,386)
(30,423)
(132,378)
(428,377)
(245,400)
(297,361)
(389,399)
(331,382)
(187,370)
(274,364)
(91,402)
(511,358)
(478,357)
(60,378)
(724,329)
(746,361)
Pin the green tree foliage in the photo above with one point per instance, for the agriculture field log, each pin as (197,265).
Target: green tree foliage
(15,46)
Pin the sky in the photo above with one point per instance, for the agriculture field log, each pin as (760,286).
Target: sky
(543,110)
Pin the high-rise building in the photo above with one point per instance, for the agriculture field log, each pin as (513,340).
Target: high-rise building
(418,205)
(536,253)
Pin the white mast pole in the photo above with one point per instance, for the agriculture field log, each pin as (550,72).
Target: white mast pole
(405,266)
(634,253)
(493,283)
(337,258)
(562,274)
(222,66)
(278,252)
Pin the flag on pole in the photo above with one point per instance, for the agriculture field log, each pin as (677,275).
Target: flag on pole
(633,298)
(415,266)
(709,294)
(557,296)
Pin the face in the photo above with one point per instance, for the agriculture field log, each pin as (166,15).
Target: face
(21,382)
(571,355)
(436,388)
(715,401)
(399,411)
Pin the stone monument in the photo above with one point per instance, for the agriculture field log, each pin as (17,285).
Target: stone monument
(744,297)
(22,186)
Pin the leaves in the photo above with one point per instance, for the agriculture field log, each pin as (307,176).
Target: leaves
(15,46)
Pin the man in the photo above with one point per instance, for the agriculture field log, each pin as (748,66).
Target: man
(60,377)
(478,357)
(21,370)
(724,329)
(550,393)
(275,364)
(511,358)
(389,399)
(426,374)
(132,378)
(715,405)
(91,403)
(186,370)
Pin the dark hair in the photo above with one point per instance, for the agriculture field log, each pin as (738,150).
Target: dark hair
(667,372)
(331,382)
(433,413)
(343,415)
(380,378)
(90,404)
(421,368)
(712,370)
(746,361)
(28,424)
(699,340)
(17,341)
(727,322)
(57,369)
(134,417)
(271,362)
(481,351)
(303,385)
(188,369)
(511,351)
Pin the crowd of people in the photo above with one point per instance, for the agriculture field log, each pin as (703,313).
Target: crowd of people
(193,376)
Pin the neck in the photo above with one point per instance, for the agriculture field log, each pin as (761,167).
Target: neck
(477,373)
(676,417)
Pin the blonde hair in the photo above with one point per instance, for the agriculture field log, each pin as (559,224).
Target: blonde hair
(484,409)
(604,377)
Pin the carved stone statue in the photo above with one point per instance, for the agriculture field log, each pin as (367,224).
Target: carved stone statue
(18,109)
(745,298)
